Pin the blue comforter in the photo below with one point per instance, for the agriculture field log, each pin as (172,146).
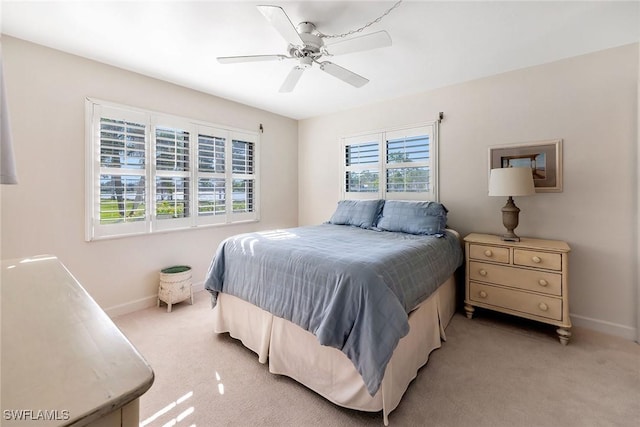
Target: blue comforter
(352,288)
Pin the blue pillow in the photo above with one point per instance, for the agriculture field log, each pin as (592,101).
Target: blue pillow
(359,213)
(413,217)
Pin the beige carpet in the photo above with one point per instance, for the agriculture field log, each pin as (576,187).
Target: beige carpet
(493,370)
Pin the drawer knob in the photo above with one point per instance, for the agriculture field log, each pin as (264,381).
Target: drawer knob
(536,259)
(483,272)
(543,282)
(542,306)
(488,253)
(483,294)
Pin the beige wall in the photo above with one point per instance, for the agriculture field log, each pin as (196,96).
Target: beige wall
(591,102)
(44,213)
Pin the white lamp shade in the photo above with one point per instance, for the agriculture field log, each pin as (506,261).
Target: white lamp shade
(511,182)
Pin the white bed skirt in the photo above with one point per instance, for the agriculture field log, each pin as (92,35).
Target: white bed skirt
(296,353)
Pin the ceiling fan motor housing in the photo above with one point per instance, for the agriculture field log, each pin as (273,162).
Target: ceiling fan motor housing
(313,43)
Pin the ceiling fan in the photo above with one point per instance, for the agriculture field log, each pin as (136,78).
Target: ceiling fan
(306,45)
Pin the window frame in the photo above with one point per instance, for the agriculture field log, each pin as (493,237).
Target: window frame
(96,109)
(382,136)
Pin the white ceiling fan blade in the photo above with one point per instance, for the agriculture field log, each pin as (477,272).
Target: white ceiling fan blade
(279,19)
(343,74)
(360,43)
(250,58)
(292,79)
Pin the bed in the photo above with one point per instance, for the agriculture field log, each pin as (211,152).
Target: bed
(350,308)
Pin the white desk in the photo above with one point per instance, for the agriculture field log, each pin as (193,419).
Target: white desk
(63,361)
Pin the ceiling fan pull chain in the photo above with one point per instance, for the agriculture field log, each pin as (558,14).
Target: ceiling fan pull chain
(365,26)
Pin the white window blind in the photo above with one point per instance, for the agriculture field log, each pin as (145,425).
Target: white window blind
(172,176)
(408,163)
(212,192)
(148,172)
(243,175)
(362,161)
(118,172)
(391,164)
(362,166)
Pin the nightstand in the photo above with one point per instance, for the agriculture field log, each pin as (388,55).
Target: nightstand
(528,279)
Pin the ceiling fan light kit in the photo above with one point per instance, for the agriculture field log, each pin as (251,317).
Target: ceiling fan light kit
(306,45)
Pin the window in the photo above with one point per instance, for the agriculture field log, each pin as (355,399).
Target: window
(148,172)
(394,164)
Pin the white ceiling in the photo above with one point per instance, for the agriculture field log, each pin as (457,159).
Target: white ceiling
(434,43)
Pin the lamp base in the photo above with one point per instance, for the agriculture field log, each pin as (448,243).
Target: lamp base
(510,214)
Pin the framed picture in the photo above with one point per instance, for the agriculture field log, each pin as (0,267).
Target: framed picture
(543,157)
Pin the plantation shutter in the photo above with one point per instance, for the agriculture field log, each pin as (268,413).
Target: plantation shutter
(212,178)
(408,163)
(361,163)
(172,174)
(396,164)
(243,176)
(148,172)
(119,168)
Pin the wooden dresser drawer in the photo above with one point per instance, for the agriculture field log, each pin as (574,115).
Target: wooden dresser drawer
(489,253)
(524,302)
(531,280)
(537,259)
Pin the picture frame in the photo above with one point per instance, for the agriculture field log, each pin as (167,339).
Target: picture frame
(544,158)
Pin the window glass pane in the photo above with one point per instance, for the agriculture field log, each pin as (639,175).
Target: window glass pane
(362,182)
(359,154)
(211,196)
(243,195)
(121,199)
(172,197)
(121,144)
(210,154)
(242,157)
(172,149)
(414,149)
(408,179)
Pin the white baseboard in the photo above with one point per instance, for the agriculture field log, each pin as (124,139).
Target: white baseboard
(142,303)
(197,287)
(622,331)
(130,307)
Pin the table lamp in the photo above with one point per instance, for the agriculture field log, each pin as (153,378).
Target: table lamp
(511,182)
